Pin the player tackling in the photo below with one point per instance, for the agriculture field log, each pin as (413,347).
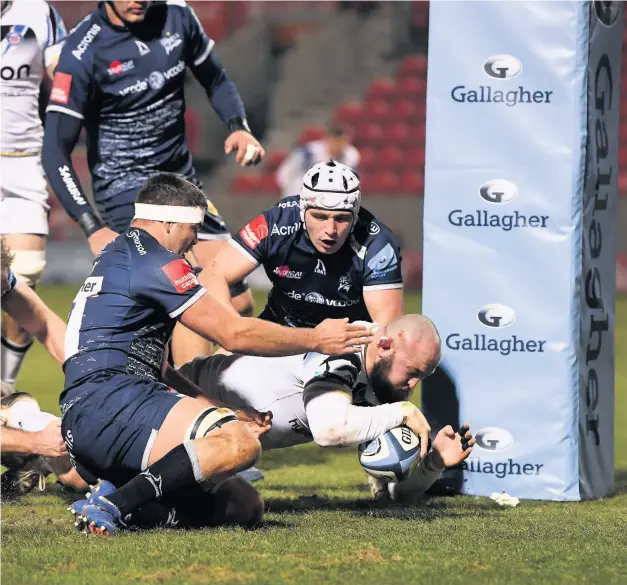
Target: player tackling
(120,421)
(338,400)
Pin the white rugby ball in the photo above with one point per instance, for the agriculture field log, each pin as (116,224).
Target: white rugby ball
(391,457)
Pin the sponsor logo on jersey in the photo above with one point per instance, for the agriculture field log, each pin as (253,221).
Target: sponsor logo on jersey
(156,80)
(299,428)
(255,231)
(66,177)
(285,230)
(344,284)
(7,73)
(286,204)
(285,272)
(170,42)
(118,67)
(373,228)
(87,40)
(61,87)
(320,268)
(318,299)
(181,275)
(384,262)
(139,86)
(134,235)
(143,48)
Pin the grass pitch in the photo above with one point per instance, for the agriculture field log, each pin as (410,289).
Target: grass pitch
(321,528)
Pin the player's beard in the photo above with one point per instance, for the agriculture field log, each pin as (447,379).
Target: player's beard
(385,392)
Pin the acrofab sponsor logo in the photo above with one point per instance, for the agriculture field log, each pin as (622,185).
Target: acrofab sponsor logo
(501,68)
(87,40)
(285,230)
(501,469)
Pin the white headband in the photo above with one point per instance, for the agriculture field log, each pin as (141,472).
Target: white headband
(169,213)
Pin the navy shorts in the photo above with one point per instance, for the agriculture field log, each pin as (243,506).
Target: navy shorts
(109,427)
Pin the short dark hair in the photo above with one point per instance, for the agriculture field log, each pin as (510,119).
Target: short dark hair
(171,189)
(335,130)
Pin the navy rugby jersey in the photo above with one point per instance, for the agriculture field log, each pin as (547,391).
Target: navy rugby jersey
(126,85)
(307,286)
(123,315)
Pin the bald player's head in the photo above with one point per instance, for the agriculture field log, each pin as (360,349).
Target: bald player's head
(407,350)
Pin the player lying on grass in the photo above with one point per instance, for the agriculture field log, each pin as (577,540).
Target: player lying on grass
(121,422)
(340,400)
(30,313)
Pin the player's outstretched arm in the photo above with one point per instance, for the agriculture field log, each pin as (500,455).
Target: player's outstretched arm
(228,267)
(335,422)
(215,321)
(24,306)
(47,442)
(384,305)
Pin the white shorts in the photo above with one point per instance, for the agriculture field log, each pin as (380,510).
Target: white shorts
(24,202)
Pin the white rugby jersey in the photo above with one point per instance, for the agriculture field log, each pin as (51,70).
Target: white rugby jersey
(31,35)
(278,384)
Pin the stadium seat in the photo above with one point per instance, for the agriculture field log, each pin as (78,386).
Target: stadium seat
(368,133)
(244,184)
(381,89)
(348,113)
(412,88)
(403,110)
(273,160)
(311,133)
(390,158)
(375,111)
(384,182)
(267,183)
(368,159)
(411,183)
(399,134)
(414,158)
(413,66)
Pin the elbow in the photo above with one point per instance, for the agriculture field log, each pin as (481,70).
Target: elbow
(331,436)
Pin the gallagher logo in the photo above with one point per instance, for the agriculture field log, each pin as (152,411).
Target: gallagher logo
(502,67)
(496,316)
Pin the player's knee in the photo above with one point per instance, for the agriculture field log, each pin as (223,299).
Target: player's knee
(237,502)
(245,447)
(28,265)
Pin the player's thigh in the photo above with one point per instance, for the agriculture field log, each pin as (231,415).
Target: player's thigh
(191,419)
(24,196)
(110,427)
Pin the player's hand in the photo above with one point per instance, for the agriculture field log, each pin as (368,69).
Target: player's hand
(249,151)
(257,422)
(49,441)
(417,422)
(98,240)
(451,448)
(338,336)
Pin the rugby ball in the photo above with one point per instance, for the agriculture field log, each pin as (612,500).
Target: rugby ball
(391,457)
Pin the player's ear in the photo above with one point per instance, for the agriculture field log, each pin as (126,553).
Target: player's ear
(385,343)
